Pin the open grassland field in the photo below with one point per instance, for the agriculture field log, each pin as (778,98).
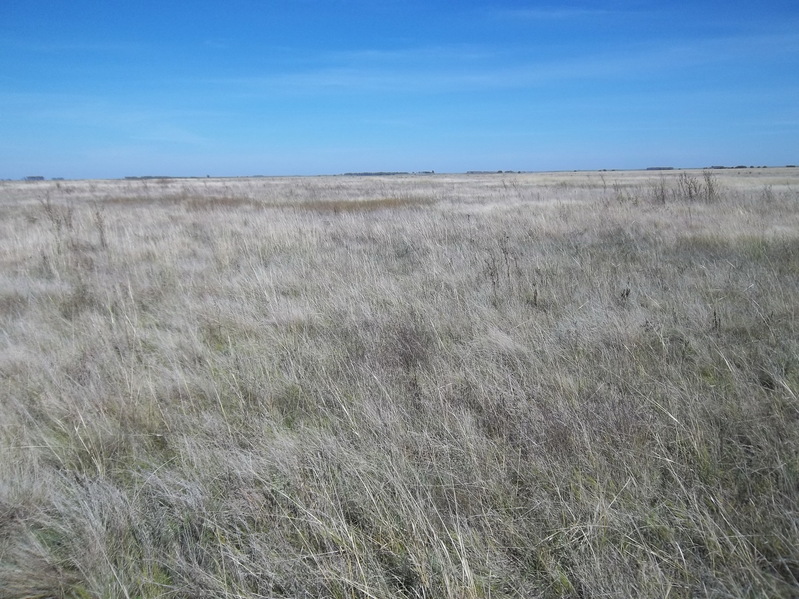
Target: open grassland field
(487,386)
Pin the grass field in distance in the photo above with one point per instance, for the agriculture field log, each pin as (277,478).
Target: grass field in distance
(442,386)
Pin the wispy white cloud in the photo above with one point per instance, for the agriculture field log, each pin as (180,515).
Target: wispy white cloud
(451,69)
(170,134)
(432,54)
(551,13)
(217,43)
(136,121)
(60,47)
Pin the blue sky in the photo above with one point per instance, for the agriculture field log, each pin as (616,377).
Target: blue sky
(111,88)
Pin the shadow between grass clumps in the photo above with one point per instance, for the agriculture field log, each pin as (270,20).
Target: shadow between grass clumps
(198,203)
(369,205)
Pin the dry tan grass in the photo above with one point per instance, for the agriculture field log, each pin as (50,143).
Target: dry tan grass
(555,385)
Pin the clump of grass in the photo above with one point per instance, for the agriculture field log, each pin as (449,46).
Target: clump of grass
(691,188)
(521,390)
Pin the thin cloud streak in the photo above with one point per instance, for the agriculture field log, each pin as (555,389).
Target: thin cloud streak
(82,109)
(61,47)
(548,14)
(421,55)
(170,134)
(389,72)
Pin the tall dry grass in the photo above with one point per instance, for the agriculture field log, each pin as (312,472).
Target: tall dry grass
(565,385)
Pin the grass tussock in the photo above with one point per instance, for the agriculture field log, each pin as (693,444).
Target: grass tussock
(570,385)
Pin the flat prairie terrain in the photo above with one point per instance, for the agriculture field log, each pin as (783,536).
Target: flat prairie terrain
(441,386)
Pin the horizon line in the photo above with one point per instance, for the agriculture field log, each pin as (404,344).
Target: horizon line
(40,178)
